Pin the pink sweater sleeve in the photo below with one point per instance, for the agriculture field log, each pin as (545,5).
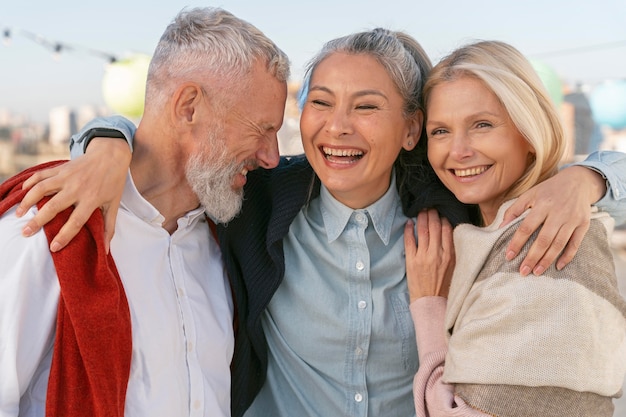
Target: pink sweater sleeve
(433,397)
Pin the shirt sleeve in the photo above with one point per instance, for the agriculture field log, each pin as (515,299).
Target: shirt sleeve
(433,397)
(29,294)
(612,166)
(119,123)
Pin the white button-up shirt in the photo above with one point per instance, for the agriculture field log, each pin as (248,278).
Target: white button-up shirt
(180,305)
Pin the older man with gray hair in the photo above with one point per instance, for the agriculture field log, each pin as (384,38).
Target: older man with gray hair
(147,330)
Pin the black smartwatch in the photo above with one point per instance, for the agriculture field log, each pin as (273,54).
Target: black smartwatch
(100,132)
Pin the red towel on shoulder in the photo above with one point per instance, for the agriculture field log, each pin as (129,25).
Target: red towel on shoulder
(93,344)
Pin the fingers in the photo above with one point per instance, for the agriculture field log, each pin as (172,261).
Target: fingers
(572,247)
(39,176)
(70,229)
(429,229)
(434,231)
(446,237)
(562,230)
(553,239)
(105,177)
(517,209)
(46,213)
(423,230)
(427,267)
(58,181)
(544,250)
(409,236)
(40,184)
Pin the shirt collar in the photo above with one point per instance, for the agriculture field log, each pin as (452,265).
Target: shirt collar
(134,202)
(382,212)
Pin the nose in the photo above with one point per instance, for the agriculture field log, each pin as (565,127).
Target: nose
(338,123)
(267,155)
(460,146)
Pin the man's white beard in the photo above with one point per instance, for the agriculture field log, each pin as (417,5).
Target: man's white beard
(210,173)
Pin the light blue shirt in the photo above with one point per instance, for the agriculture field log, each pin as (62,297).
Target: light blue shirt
(340,335)
(612,166)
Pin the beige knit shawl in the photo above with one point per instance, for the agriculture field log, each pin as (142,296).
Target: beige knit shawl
(529,346)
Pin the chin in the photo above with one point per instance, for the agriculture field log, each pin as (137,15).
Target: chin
(468,199)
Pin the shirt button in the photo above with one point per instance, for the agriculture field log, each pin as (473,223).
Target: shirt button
(189,347)
(360,217)
(358,351)
(360,265)
(358,397)
(362,304)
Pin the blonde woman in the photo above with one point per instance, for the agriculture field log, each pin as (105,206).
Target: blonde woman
(552,345)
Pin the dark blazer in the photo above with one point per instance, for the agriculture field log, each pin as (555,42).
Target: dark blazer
(252,247)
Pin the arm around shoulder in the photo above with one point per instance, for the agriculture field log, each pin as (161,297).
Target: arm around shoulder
(612,166)
(102,127)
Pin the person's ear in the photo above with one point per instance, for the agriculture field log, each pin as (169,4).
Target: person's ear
(414,131)
(185,103)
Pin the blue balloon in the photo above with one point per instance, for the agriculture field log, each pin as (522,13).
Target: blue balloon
(608,104)
(551,81)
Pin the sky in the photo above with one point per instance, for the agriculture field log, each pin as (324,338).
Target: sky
(583,41)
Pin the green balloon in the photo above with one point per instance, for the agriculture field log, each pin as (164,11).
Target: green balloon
(124,85)
(551,81)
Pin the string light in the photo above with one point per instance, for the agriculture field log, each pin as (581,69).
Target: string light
(581,49)
(55,47)
(6,37)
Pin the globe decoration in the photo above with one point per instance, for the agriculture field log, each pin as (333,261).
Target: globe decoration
(124,85)
(608,104)
(551,81)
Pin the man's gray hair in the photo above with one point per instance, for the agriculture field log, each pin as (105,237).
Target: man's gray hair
(203,44)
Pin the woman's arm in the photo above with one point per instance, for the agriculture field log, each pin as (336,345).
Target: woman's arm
(602,182)
(89,181)
(612,167)
(432,396)
(429,267)
(102,127)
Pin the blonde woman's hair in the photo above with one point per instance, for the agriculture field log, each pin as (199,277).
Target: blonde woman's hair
(512,78)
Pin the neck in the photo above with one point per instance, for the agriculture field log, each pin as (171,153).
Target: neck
(158,172)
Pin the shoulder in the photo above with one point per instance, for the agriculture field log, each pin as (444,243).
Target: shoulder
(19,254)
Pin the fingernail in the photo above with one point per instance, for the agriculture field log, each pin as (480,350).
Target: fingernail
(27,231)
(510,255)
(55,246)
(525,270)
(538,270)
(19,211)
(560,265)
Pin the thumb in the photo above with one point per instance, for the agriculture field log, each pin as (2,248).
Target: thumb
(517,208)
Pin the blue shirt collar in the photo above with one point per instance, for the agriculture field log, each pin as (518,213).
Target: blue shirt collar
(336,215)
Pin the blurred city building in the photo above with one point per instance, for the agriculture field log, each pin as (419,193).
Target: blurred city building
(24,142)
